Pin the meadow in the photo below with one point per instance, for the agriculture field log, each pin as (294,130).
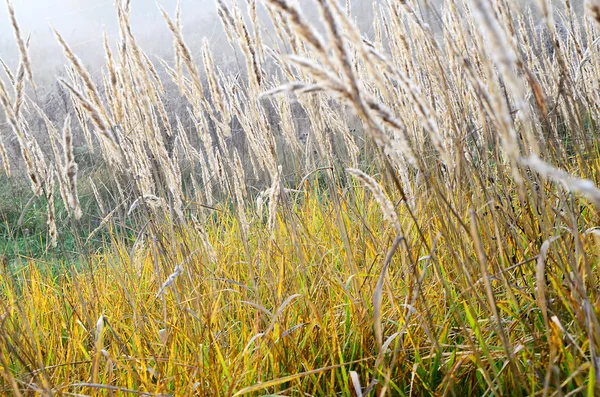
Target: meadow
(408,210)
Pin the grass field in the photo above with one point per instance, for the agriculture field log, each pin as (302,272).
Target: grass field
(399,212)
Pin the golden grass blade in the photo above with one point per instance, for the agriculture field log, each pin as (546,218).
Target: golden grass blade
(285,379)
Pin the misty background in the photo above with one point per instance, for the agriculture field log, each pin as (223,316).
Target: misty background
(82,22)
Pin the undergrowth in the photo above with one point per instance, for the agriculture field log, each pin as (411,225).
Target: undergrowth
(430,228)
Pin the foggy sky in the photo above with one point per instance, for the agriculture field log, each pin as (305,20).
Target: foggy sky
(81,22)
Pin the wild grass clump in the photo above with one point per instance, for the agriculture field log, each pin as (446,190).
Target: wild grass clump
(431,228)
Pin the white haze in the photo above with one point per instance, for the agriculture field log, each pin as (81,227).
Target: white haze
(82,23)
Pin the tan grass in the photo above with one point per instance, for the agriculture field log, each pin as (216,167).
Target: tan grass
(435,234)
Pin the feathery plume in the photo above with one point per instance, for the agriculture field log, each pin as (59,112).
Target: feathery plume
(70,169)
(20,43)
(570,183)
(170,280)
(52,231)
(389,212)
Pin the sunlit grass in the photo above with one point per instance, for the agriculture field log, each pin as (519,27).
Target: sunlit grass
(216,331)
(402,211)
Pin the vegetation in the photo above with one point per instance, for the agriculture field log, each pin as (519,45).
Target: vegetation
(430,229)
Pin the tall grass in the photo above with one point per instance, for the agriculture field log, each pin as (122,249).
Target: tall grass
(436,233)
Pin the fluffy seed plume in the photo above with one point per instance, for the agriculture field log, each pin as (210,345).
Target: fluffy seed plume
(389,212)
(20,43)
(95,115)
(183,52)
(170,280)
(570,183)
(52,231)
(85,76)
(592,8)
(70,169)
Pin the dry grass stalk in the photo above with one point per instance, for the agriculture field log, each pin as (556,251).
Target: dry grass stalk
(107,135)
(185,55)
(52,231)
(570,183)
(23,53)
(592,8)
(24,143)
(70,170)
(420,97)
(387,208)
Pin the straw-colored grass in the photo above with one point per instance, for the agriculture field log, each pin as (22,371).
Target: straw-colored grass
(437,233)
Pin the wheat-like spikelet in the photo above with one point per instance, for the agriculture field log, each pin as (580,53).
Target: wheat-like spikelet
(181,139)
(3,152)
(426,120)
(332,83)
(207,140)
(239,175)
(24,142)
(274,196)
(97,195)
(592,8)
(83,123)
(248,48)
(387,208)
(339,47)
(153,72)
(213,83)
(84,75)
(175,187)
(505,60)
(54,138)
(360,45)
(209,248)
(19,89)
(70,169)
(9,74)
(170,280)
(142,73)
(303,29)
(287,122)
(4,157)
(237,180)
(97,119)
(23,53)
(151,200)
(322,75)
(255,22)
(227,19)
(52,231)
(206,159)
(570,183)
(182,51)
(114,89)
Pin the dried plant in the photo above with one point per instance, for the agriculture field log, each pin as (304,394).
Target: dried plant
(233,187)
